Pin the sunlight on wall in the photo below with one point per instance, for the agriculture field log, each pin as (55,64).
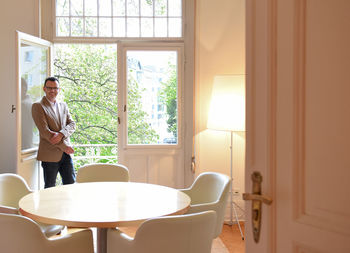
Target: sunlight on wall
(220,50)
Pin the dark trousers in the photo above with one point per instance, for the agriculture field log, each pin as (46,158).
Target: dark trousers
(64,167)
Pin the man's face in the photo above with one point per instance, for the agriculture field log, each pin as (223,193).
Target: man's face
(51,90)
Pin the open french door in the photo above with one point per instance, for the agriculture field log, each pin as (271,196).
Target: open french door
(150,88)
(33,66)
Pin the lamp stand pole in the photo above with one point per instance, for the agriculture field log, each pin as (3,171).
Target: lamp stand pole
(232,204)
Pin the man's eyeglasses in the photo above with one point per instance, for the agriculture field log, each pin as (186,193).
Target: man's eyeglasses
(52,88)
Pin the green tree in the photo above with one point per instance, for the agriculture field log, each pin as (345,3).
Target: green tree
(87,75)
(88,78)
(139,131)
(168,96)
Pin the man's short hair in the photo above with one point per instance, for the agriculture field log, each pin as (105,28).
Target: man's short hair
(52,79)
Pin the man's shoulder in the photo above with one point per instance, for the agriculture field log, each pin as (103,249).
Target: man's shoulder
(39,102)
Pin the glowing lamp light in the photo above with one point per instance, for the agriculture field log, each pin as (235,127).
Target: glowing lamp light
(227,113)
(227,106)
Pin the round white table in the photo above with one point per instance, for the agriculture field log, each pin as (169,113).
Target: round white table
(103,205)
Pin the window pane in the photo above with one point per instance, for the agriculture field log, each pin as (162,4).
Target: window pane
(152,97)
(146,27)
(88,79)
(175,8)
(160,27)
(91,27)
(133,28)
(76,7)
(62,8)
(77,27)
(133,8)
(118,7)
(62,26)
(175,27)
(33,66)
(90,7)
(160,7)
(105,8)
(119,27)
(105,27)
(147,8)
(166,18)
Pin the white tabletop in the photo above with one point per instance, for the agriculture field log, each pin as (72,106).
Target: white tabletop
(103,204)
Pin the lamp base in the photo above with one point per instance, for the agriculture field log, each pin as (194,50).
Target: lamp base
(230,223)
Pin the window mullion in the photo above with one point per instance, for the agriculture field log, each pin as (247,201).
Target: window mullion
(139,18)
(154,20)
(112,18)
(126,18)
(70,18)
(98,18)
(84,29)
(145,10)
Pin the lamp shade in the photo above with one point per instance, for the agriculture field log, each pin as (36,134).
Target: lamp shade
(227,106)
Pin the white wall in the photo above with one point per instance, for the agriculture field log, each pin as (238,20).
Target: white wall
(220,50)
(22,16)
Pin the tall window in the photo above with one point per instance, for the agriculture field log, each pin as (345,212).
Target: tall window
(122,69)
(119,18)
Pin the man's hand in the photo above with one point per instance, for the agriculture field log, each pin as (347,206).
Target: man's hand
(56,138)
(69,150)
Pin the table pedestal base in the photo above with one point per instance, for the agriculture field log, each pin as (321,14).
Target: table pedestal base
(101,240)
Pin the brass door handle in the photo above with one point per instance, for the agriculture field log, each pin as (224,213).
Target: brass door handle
(262,198)
(257,198)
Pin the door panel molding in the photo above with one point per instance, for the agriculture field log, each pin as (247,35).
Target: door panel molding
(308,209)
(301,248)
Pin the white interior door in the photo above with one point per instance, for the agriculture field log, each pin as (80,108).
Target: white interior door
(33,66)
(298,108)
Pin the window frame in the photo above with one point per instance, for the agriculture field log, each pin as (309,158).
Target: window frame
(122,92)
(47,14)
(80,39)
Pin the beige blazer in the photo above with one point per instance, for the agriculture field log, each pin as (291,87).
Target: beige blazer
(46,120)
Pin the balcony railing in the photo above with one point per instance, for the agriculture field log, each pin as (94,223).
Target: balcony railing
(94,153)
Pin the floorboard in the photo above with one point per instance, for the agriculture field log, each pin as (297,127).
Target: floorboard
(232,239)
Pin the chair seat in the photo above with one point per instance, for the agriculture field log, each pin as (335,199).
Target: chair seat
(50,230)
(210,191)
(21,234)
(13,188)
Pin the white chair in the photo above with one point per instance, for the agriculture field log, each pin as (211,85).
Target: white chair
(191,233)
(21,234)
(210,191)
(103,172)
(12,188)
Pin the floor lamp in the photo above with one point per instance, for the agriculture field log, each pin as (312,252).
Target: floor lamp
(227,113)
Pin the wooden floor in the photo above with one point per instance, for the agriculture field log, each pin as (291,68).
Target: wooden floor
(232,239)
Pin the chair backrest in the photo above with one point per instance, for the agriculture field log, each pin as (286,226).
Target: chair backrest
(102,172)
(209,187)
(210,191)
(191,233)
(12,188)
(20,234)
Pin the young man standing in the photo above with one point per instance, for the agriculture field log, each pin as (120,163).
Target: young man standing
(55,125)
